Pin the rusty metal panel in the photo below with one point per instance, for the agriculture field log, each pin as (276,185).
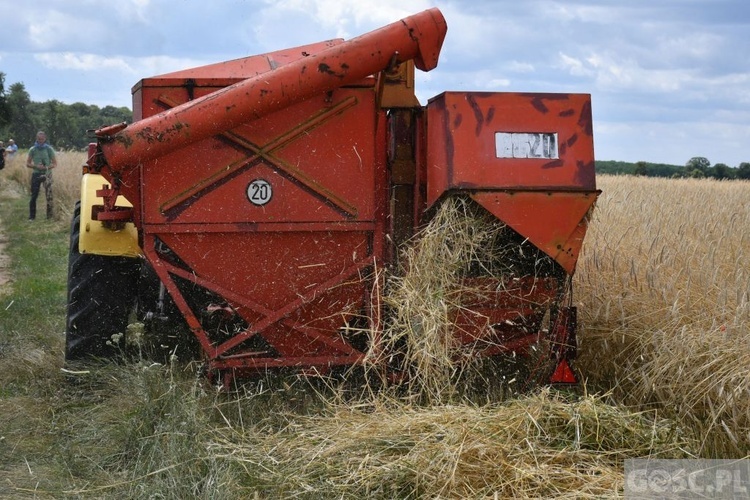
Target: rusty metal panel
(493,141)
(222,74)
(553,221)
(526,158)
(266,203)
(310,162)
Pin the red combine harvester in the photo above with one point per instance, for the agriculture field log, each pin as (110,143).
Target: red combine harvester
(251,203)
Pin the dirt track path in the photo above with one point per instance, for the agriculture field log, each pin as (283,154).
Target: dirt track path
(5,276)
(4,261)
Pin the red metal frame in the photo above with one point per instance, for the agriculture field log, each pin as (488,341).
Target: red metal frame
(326,220)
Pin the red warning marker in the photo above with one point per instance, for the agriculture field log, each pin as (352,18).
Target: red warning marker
(563,374)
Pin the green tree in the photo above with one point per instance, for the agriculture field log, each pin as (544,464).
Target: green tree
(112,115)
(697,163)
(641,168)
(67,125)
(86,115)
(5,116)
(721,171)
(743,171)
(60,124)
(22,127)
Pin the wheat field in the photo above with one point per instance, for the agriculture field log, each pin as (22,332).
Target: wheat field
(663,286)
(66,181)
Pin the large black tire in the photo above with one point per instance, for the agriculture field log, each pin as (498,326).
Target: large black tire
(101,295)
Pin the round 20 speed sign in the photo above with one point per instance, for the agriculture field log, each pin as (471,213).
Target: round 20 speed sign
(259,192)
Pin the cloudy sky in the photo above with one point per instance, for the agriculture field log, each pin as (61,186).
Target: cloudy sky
(669,79)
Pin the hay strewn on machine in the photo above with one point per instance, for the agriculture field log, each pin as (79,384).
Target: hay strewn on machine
(424,299)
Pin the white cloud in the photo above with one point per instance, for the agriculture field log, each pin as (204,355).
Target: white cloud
(573,12)
(497,83)
(521,67)
(156,65)
(575,66)
(346,18)
(610,72)
(672,143)
(692,46)
(53,28)
(141,66)
(136,10)
(82,62)
(288,23)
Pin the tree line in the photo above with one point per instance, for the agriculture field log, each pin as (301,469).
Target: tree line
(696,167)
(67,125)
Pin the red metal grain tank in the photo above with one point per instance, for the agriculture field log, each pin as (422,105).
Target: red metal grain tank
(264,194)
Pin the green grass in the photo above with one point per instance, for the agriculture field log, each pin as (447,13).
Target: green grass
(125,431)
(138,430)
(39,252)
(33,308)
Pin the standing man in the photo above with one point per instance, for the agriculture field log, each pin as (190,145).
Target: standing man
(42,159)
(12,148)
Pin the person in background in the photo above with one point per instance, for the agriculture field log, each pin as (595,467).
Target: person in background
(42,160)
(12,148)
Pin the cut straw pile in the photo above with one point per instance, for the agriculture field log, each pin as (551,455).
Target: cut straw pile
(542,446)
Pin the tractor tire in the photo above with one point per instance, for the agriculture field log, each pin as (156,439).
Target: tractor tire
(101,294)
